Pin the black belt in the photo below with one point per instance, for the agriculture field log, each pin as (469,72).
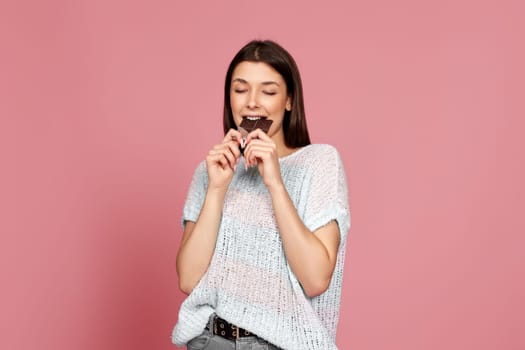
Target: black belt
(224,329)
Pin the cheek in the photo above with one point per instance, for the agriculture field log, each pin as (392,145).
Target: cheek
(279,106)
(236,102)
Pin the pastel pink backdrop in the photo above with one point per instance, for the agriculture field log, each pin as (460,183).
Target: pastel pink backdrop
(107,107)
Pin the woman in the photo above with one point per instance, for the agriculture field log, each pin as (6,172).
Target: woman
(261,258)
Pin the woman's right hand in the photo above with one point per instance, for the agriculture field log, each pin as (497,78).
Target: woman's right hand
(200,237)
(222,159)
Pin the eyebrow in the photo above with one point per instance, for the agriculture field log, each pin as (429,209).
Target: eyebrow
(242,81)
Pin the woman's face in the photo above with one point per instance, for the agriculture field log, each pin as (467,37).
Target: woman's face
(258,91)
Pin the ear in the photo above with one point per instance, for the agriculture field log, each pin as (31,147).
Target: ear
(289,104)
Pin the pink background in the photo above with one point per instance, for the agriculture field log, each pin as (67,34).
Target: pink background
(107,106)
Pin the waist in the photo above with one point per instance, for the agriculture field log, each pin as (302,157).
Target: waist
(227,330)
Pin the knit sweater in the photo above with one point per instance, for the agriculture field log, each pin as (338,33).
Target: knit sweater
(249,282)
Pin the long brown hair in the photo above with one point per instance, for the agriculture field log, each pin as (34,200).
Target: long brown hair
(271,53)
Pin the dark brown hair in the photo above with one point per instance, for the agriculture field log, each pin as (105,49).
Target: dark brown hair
(271,53)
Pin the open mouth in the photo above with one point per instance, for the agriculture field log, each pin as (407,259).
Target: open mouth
(254,117)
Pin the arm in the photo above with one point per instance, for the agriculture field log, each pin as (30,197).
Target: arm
(199,238)
(198,242)
(311,255)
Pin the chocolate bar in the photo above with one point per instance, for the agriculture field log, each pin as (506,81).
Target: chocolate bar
(249,125)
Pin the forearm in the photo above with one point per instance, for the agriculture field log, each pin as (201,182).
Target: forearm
(308,257)
(198,244)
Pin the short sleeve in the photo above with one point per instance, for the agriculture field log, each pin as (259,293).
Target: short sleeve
(327,195)
(327,200)
(196,194)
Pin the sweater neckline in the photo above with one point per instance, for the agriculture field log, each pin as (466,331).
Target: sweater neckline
(300,150)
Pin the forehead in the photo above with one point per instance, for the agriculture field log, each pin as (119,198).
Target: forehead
(256,72)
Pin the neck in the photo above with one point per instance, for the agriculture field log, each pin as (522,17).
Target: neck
(282,149)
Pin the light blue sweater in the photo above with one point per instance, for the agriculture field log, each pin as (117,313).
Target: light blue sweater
(249,282)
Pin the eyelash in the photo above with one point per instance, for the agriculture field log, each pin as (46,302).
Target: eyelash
(269,93)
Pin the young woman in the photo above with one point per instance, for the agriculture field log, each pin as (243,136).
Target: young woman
(261,258)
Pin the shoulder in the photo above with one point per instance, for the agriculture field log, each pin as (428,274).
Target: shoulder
(321,148)
(317,158)
(201,167)
(200,174)
(321,153)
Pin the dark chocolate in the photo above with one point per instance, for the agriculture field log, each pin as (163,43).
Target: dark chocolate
(247,126)
(250,125)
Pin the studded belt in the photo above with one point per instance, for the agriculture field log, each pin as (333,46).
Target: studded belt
(224,329)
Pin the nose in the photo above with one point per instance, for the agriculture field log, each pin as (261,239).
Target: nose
(252,99)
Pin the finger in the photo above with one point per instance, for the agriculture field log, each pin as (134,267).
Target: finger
(232,160)
(232,135)
(258,137)
(256,153)
(223,161)
(226,146)
(233,146)
(225,150)
(258,134)
(232,152)
(262,146)
(263,143)
(215,158)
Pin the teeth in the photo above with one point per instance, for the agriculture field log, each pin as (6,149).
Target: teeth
(253,117)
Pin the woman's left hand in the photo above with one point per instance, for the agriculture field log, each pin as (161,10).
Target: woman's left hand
(261,150)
